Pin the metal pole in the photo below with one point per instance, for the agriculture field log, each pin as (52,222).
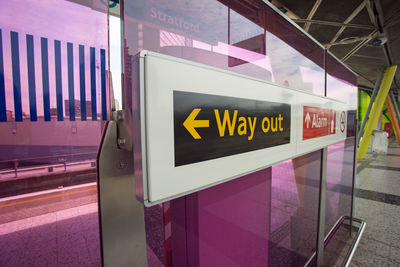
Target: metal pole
(322,206)
(371,102)
(353,182)
(354,245)
(396,108)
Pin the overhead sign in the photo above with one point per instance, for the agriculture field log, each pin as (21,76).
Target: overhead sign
(204,122)
(198,126)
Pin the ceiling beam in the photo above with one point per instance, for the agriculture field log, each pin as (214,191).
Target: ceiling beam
(333,23)
(391,23)
(368,6)
(359,45)
(349,18)
(386,47)
(350,40)
(363,76)
(284,9)
(381,20)
(311,14)
(365,56)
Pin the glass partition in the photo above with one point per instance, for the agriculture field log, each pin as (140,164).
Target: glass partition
(295,204)
(267,218)
(54,102)
(341,85)
(53,66)
(248,38)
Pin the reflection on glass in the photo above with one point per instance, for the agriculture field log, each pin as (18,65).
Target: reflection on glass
(53,61)
(341,83)
(338,198)
(226,225)
(339,181)
(342,90)
(247,39)
(51,35)
(268,218)
(294,218)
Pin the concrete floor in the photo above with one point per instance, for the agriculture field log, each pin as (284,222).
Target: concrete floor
(378,203)
(54,228)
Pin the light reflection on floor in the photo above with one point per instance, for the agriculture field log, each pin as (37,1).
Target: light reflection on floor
(51,229)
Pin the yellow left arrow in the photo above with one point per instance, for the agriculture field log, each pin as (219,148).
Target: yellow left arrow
(190,123)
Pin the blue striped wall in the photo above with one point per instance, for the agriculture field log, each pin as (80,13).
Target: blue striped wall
(34,68)
(3,113)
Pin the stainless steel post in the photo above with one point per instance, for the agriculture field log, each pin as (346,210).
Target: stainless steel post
(122,227)
(353,182)
(322,206)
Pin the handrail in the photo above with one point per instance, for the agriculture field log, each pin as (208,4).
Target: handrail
(354,245)
(61,159)
(50,157)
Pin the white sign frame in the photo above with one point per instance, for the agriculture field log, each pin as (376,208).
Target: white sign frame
(153,123)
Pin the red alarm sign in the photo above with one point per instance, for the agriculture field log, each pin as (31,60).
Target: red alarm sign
(318,122)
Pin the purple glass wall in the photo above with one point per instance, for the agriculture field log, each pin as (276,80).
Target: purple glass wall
(270,217)
(341,85)
(246,38)
(295,192)
(227,225)
(53,63)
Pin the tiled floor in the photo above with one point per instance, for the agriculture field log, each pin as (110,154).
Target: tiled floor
(58,228)
(378,203)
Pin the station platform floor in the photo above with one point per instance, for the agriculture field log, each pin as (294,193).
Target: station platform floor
(377,201)
(51,228)
(46,228)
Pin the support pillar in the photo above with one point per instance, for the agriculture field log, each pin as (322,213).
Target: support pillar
(380,99)
(393,117)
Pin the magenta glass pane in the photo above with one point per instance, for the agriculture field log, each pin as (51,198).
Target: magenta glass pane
(268,218)
(53,77)
(341,85)
(339,182)
(294,218)
(249,38)
(339,188)
(226,225)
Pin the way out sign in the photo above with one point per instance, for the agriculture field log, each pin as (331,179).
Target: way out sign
(197,126)
(210,126)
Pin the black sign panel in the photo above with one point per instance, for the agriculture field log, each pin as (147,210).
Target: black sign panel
(210,126)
